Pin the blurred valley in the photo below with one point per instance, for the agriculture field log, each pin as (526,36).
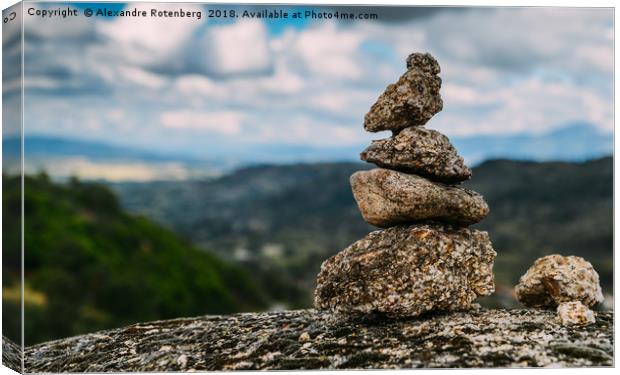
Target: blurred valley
(283,221)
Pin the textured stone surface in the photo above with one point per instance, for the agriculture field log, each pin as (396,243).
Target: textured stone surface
(555,279)
(411,101)
(406,271)
(386,198)
(423,61)
(420,151)
(483,338)
(575,313)
(11,355)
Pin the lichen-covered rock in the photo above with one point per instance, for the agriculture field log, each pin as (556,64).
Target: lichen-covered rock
(575,313)
(386,198)
(406,271)
(269,341)
(423,61)
(411,101)
(555,279)
(420,151)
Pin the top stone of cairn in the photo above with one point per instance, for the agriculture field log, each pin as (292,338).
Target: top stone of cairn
(411,101)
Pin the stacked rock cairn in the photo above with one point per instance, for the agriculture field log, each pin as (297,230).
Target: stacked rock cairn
(425,258)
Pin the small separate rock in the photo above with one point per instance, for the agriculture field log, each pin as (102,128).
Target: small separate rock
(406,271)
(555,279)
(421,151)
(386,197)
(575,313)
(411,101)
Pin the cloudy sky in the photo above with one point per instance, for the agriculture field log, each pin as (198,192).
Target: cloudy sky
(210,86)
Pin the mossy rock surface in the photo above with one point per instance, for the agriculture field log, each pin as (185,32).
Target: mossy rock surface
(310,339)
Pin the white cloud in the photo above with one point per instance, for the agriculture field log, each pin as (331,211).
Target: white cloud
(328,51)
(115,115)
(197,85)
(455,94)
(239,48)
(283,81)
(518,40)
(307,131)
(223,122)
(141,77)
(78,29)
(504,70)
(598,57)
(149,40)
(345,102)
(529,106)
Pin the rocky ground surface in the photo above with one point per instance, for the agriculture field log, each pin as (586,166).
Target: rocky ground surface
(308,339)
(11,354)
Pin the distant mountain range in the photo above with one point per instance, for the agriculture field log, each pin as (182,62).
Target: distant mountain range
(59,156)
(62,158)
(577,142)
(37,146)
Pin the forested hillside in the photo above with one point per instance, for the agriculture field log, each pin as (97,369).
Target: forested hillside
(89,265)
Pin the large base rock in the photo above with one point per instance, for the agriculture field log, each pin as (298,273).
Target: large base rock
(406,271)
(386,198)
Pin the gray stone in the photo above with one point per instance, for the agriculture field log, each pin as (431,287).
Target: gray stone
(411,101)
(555,279)
(407,271)
(386,198)
(423,61)
(268,341)
(420,151)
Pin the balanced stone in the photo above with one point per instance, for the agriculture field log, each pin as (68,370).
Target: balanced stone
(408,270)
(411,101)
(421,151)
(555,279)
(423,61)
(386,198)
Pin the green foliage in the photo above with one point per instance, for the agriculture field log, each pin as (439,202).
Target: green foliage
(94,266)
